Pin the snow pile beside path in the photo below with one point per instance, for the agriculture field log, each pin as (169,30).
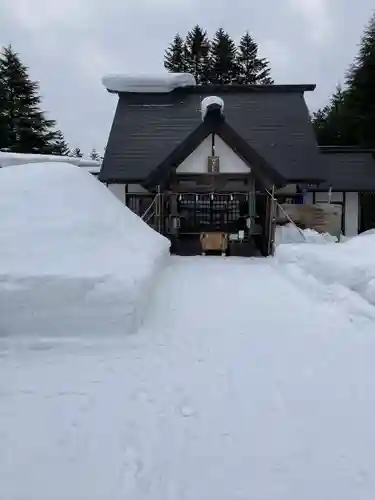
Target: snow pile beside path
(350,264)
(11,159)
(291,234)
(73,259)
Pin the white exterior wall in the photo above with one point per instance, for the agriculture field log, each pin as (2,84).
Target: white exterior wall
(351,214)
(288,189)
(196,162)
(136,189)
(118,190)
(308,198)
(324,198)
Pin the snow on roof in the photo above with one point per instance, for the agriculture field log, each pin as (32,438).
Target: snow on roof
(209,101)
(147,83)
(71,246)
(10,159)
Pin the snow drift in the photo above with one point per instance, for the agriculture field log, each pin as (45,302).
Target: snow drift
(350,264)
(154,84)
(291,234)
(71,251)
(11,159)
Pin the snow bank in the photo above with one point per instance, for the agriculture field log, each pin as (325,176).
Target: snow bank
(209,101)
(73,259)
(153,84)
(10,159)
(350,264)
(291,234)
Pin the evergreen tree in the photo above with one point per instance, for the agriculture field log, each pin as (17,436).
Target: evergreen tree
(349,119)
(251,68)
(198,54)
(224,68)
(94,155)
(330,122)
(26,128)
(360,98)
(60,146)
(175,56)
(3,124)
(76,153)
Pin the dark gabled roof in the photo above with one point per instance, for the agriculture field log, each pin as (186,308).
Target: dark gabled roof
(215,123)
(273,120)
(348,168)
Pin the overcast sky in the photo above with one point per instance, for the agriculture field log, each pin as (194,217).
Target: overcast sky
(69,45)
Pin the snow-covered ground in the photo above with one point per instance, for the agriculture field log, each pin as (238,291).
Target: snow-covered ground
(11,159)
(73,259)
(238,386)
(349,265)
(248,378)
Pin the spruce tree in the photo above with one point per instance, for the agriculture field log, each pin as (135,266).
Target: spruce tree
(175,56)
(60,146)
(251,68)
(349,119)
(198,54)
(330,123)
(224,67)
(4,141)
(94,155)
(76,153)
(26,128)
(360,98)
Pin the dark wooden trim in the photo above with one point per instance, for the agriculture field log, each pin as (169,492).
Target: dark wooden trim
(230,88)
(346,149)
(227,176)
(177,181)
(117,180)
(215,123)
(313,181)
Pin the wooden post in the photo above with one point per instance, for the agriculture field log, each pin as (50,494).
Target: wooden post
(271,224)
(158,211)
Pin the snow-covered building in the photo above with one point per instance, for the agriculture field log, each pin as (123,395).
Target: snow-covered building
(219,154)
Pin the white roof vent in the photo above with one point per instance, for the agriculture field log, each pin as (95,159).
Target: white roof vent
(211,102)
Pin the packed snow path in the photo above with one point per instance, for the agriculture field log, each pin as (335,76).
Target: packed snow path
(239,386)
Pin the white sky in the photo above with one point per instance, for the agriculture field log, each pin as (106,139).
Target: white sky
(69,45)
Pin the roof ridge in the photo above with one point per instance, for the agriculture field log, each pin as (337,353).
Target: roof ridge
(240,87)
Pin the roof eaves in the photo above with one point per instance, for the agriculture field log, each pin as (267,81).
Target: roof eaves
(262,169)
(235,88)
(160,174)
(345,149)
(239,88)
